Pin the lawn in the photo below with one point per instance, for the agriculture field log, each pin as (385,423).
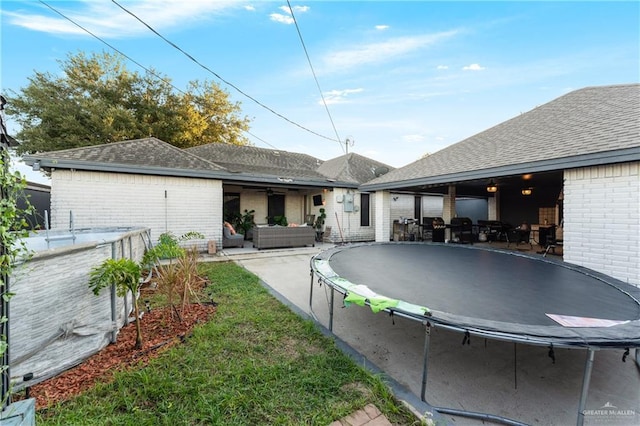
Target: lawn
(254,363)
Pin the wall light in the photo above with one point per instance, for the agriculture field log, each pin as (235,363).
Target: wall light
(492,187)
(526,191)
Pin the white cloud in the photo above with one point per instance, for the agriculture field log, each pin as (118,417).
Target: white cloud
(108,20)
(296,9)
(283,19)
(443,67)
(250,8)
(340,60)
(338,96)
(382,27)
(287,18)
(473,67)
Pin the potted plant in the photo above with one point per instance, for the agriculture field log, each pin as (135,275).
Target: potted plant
(246,223)
(319,225)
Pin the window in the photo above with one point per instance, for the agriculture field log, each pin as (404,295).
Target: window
(275,208)
(417,207)
(364,210)
(231,206)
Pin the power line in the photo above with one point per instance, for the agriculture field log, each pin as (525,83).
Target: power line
(114,48)
(150,71)
(216,75)
(304,47)
(261,140)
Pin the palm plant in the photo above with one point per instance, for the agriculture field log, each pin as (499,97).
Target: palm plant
(125,275)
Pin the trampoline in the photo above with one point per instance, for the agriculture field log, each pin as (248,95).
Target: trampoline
(495,294)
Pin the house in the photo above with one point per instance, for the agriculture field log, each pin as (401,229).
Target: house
(148,182)
(573,163)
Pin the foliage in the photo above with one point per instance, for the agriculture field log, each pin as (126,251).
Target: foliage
(125,275)
(280,220)
(177,276)
(168,247)
(245,222)
(320,219)
(255,363)
(13,228)
(96,100)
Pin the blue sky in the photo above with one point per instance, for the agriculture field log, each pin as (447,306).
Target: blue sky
(399,79)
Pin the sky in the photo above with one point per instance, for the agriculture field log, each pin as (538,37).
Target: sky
(389,80)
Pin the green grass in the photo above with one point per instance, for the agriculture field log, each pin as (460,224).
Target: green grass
(254,363)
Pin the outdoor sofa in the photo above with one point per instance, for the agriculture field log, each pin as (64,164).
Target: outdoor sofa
(283,236)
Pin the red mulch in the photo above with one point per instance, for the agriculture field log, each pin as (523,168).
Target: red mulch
(159,333)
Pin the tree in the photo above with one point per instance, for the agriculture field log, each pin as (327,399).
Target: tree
(96,100)
(125,275)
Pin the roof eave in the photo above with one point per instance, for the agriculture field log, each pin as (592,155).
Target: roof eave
(123,168)
(169,171)
(565,163)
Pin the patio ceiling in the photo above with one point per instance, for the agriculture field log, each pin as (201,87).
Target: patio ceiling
(551,181)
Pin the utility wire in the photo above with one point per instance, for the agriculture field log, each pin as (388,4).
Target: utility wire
(304,47)
(261,140)
(150,71)
(114,48)
(216,75)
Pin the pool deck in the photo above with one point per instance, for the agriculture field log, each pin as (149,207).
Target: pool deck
(518,382)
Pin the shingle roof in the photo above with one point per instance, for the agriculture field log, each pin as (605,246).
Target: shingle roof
(353,167)
(589,121)
(252,160)
(148,152)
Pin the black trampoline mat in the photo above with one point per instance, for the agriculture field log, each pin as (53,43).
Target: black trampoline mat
(485,284)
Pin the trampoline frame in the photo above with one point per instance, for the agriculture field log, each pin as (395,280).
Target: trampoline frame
(429,322)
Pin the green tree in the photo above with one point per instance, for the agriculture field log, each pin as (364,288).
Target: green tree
(96,100)
(125,274)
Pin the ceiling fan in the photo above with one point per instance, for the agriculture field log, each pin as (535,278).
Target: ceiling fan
(269,191)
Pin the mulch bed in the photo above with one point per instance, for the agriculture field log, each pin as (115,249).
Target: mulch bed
(159,333)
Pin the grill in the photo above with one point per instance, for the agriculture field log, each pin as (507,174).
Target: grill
(433,228)
(461,230)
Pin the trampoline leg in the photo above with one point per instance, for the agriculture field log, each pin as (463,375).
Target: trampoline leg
(311,298)
(331,310)
(425,361)
(586,379)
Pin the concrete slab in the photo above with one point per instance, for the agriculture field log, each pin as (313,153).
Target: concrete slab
(514,381)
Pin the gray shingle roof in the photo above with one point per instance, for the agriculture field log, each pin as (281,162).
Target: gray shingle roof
(353,167)
(148,152)
(252,160)
(590,121)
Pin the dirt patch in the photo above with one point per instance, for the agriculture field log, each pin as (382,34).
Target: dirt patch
(159,333)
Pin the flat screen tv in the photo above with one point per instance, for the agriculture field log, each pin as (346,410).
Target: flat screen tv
(317,200)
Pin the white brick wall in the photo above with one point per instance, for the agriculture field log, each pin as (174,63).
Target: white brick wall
(347,222)
(383,224)
(177,205)
(602,220)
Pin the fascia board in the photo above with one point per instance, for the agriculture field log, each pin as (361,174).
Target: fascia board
(565,163)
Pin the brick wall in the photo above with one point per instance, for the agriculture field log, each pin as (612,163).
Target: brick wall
(348,222)
(602,219)
(383,216)
(99,199)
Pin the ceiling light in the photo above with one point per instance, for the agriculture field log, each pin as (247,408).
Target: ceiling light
(492,187)
(526,191)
